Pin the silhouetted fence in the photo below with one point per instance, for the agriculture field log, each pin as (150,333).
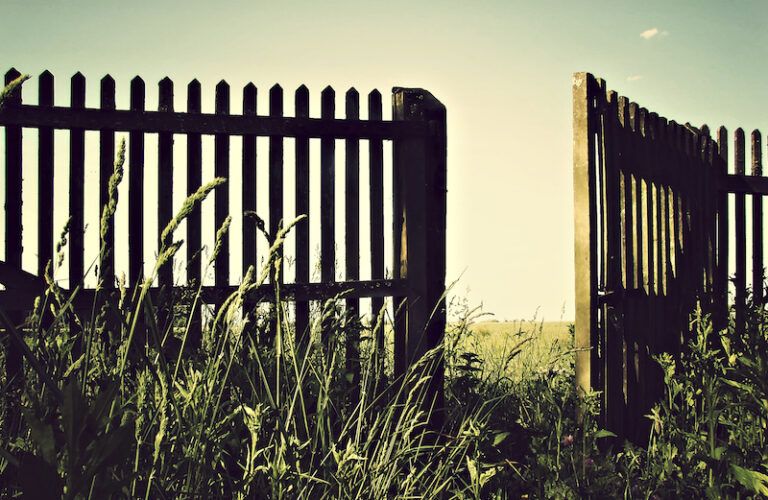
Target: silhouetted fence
(651,239)
(417,132)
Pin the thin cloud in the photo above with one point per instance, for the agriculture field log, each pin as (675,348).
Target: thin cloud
(634,78)
(649,33)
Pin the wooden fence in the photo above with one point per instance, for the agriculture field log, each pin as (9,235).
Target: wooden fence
(418,135)
(652,226)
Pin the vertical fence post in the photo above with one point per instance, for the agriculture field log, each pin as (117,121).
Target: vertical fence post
(585,217)
(13,256)
(421,165)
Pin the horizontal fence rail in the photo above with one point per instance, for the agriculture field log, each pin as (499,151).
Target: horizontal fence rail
(418,193)
(656,212)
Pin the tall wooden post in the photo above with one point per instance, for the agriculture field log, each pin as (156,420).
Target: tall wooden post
(420,223)
(585,237)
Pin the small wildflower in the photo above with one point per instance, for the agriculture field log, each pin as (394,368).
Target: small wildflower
(568,440)
(588,462)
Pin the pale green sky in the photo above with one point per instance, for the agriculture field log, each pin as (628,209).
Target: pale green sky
(502,68)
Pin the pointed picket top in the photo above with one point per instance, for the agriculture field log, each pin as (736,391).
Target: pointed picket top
(11,75)
(137,93)
(194,96)
(45,88)
(222,86)
(222,97)
(107,87)
(374,105)
(249,99)
(327,102)
(302,101)
(276,100)
(757,153)
(352,99)
(165,100)
(704,129)
(77,95)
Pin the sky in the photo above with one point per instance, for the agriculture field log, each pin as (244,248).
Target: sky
(503,69)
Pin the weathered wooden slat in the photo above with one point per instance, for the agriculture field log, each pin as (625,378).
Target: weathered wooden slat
(14,367)
(136,189)
(250,234)
(757,222)
(221,203)
(106,167)
(629,202)
(76,186)
(721,316)
(613,380)
(352,238)
(276,175)
(165,180)
(327,192)
(194,219)
(45,180)
(376,203)
(302,208)
(585,217)
(740,225)
(210,124)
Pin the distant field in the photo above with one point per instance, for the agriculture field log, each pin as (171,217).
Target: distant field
(519,345)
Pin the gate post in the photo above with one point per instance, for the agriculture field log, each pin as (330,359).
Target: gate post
(585,237)
(419,195)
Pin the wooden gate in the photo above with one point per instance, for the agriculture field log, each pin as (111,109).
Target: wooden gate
(418,135)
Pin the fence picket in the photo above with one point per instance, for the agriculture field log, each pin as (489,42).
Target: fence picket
(194,219)
(136,190)
(376,193)
(13,252)
(45,180)
(221,202)
(757,222)
(276,175)
(352,238)
(76,185)
(165,181)
(249,181)
(740,225)
(106,167)
(302,208)
(723,235)
(327,196)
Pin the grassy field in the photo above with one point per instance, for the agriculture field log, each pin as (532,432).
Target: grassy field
(519,346)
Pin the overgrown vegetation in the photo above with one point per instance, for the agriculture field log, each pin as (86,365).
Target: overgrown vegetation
(116,404)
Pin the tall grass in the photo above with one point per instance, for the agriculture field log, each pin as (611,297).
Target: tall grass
(118,401)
